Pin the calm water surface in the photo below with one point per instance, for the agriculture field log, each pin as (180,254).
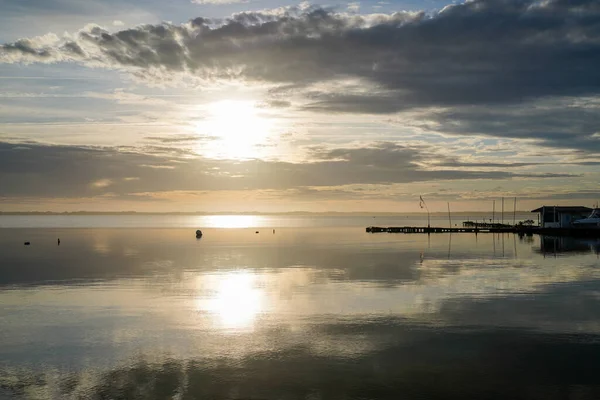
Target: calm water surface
(304,313)
(243,221)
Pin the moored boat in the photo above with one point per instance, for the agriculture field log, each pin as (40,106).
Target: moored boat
(590,222)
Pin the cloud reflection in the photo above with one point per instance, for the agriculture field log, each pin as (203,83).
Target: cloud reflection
(420,361)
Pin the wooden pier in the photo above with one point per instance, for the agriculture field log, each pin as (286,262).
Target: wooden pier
(521,230)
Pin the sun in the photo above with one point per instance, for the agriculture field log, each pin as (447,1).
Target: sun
(236,129)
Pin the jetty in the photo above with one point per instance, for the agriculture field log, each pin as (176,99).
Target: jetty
(426,229)
(477,228)
(552,221)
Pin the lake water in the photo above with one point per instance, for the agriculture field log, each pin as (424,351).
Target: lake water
(308,312)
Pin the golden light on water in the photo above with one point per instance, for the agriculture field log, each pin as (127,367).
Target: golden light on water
(236,300)
(237,129)
(233,221)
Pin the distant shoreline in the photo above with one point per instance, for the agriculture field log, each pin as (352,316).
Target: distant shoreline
(290,213)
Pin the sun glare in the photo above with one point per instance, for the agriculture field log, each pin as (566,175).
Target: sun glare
(236,301)
(233,221)
(237,128)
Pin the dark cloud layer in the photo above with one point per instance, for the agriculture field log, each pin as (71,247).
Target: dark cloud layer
(66,171)
(478,52)
(552,124)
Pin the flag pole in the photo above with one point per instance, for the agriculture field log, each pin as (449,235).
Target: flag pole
(449,218)
(428,221)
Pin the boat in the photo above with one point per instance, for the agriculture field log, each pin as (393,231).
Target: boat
(592,221)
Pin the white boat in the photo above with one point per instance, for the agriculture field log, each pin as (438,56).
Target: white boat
(590,222)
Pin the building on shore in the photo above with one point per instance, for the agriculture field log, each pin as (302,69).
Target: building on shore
(560,216)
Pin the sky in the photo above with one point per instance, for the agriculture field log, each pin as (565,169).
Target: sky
(276,106)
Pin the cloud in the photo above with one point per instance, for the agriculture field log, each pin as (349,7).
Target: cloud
(539,49)
(175,138)
(506,68)
(353,7)
(275,103)
(157,166)
(123,97)
(67,171)
(101,183)
(218,1)
(558,123)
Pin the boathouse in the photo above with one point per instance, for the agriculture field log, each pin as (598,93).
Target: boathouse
(560,216)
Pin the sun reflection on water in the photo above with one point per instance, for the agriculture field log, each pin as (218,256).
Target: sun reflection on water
(235,299)
(233,221)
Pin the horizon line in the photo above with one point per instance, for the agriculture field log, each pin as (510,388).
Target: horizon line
(374,213)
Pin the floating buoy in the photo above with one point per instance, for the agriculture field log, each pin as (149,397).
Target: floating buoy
(26,243)
(256,232)
(198,233)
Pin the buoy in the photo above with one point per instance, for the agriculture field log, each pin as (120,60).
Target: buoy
(256,232)
(198,233)
(26,243)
